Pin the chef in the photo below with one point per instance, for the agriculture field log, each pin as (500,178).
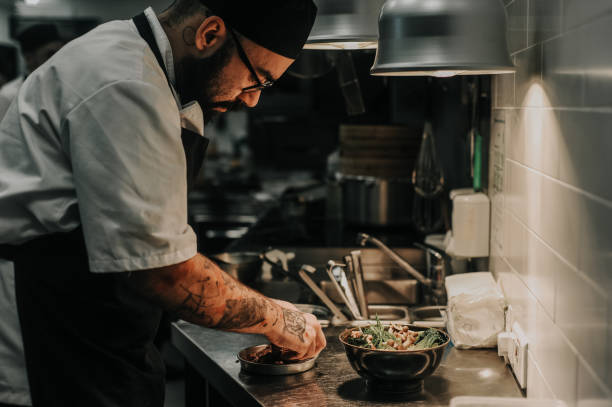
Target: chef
(96,158)
(38,43)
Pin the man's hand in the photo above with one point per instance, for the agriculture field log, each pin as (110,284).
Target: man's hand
(199,291)
(297,331)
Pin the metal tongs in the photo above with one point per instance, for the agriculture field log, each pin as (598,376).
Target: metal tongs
(347,278)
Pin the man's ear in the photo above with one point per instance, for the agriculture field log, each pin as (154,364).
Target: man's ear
(210,35)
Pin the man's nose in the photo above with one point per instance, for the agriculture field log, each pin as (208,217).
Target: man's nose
(250,98)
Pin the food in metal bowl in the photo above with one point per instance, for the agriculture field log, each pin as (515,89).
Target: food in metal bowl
(271,360)
(390,369)
(394,337)
(270,354)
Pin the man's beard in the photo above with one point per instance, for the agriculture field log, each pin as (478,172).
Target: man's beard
(199,80)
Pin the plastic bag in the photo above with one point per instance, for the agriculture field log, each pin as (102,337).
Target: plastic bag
(475,310)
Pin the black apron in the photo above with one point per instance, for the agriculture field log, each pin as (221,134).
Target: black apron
(88,339)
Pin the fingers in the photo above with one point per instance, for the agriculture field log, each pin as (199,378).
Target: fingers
(306,341)
(321,341)
(318,341)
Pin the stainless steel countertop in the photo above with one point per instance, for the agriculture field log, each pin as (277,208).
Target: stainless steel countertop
(332,382)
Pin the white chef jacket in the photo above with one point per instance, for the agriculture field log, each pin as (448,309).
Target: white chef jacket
(7,93)
(10,89)
(94,140)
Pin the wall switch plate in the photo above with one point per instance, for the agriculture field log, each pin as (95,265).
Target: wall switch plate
(518,354)
(512,346)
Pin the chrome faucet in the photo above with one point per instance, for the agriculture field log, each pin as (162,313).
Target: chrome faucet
(434,281)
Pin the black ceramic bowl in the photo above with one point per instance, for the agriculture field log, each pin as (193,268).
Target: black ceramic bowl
(394,371)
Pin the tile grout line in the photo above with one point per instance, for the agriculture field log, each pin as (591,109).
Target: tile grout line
(537,366)
(560,332)
(594,374)
(520,277)
(587,194)
(581,274)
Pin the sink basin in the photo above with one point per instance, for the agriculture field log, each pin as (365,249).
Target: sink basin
(376,264)
(385,281)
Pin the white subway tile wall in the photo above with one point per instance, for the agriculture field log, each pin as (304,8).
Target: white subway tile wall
(551,182)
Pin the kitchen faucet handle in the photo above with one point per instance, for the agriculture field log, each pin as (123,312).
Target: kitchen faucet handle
(309,269)
(362,239)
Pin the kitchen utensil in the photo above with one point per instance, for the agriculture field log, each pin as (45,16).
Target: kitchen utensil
(339,281)
(357,268)
(320,294)
(428,177)
(244,266)
(396,314)
(382,291)
(387,152)
(352,280)
(363,238)
(349,82)
(269,368)
(394,371)
(375,201)
(427,214)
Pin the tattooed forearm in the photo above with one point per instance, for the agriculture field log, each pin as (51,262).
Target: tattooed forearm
(295,323)
(243,313)
(199,291)
(194,305)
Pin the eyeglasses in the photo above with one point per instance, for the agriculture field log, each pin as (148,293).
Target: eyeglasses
(247,63)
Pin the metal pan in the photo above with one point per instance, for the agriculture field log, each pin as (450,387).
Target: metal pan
(271,369)
(244,266)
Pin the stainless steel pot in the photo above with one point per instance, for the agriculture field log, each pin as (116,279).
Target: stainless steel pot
(244,266)
(375,201)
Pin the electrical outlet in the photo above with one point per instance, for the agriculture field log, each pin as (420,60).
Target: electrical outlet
(518,354)
(512,346)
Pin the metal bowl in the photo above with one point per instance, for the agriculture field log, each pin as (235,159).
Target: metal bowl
(394,371)
(244,266)
(269,368)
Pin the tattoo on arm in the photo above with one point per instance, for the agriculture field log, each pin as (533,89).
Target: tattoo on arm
(243,313)
(203,301)
(193,305)
(295,323)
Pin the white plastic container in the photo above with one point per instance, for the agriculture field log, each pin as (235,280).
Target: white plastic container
(470,224)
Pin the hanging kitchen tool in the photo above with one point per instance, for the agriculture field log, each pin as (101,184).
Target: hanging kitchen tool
(349,82)
(427,178)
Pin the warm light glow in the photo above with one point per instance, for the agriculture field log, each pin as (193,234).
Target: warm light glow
(598,72)
(442,73)
(342,45)
(445,74)
(487,373)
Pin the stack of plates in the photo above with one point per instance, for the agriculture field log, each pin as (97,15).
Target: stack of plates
(378,151)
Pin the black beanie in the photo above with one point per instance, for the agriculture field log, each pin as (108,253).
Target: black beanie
(37,35)
(282,26)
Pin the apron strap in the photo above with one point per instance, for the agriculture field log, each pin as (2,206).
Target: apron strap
(146,32)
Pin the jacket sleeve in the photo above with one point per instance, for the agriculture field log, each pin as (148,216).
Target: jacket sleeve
(124,145)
